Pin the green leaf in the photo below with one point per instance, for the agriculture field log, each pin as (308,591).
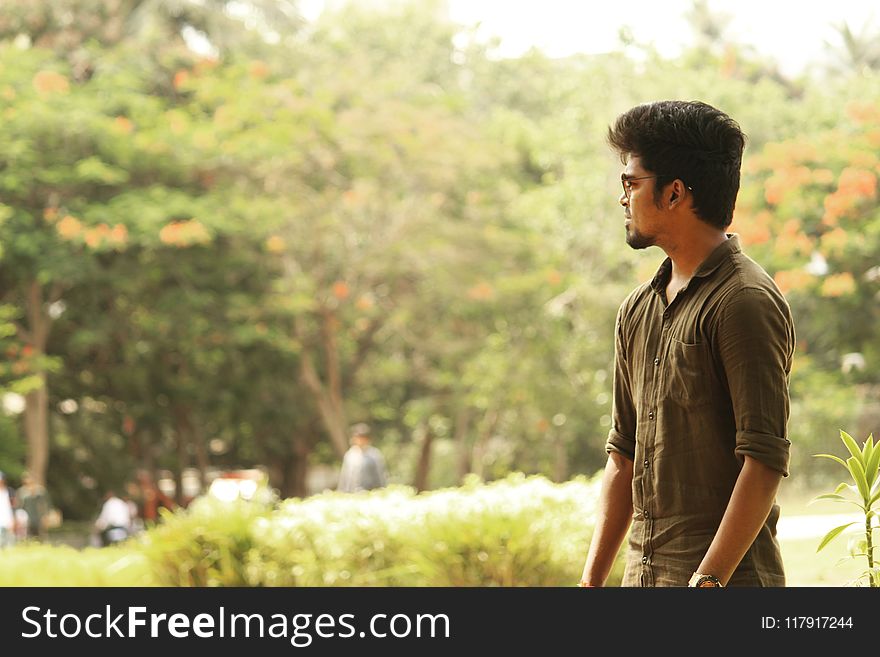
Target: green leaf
(841,486)
(832,457)
(858,474)
(873,463)
(851,445)
(830,535)
(839,499)
(828,496)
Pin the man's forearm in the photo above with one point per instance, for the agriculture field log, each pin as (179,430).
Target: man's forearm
(613,519)
(749,506)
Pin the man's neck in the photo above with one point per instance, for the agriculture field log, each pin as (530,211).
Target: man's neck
(688,253)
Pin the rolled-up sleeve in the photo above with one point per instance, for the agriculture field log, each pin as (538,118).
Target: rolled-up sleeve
(756,345)
(621,438)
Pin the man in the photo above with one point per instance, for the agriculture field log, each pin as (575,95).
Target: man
(703,353)
(363,467)
(7,515)
(114,522)
(34,499)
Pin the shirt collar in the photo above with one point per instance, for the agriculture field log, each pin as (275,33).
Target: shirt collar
(721,253)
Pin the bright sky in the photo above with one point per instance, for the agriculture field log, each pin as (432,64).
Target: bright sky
(789,31)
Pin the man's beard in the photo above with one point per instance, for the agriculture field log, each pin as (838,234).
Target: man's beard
(637,240)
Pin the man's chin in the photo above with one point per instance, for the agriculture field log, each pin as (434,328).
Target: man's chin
(637,241)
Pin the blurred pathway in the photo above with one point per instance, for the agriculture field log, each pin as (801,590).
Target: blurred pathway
(795,527)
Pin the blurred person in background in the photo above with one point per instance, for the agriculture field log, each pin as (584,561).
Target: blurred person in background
(114,522)
(703,353)
(34,500)
(363,467)
(7,514)
(149,499)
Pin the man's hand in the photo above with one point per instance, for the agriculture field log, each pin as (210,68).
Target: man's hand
(614,517)
(748,508)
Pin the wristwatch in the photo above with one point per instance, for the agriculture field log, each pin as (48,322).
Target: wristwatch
(701,581)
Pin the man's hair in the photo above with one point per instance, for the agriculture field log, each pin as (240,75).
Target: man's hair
(688,140)
(360,429)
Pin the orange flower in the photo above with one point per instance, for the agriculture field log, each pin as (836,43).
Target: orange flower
(123,125)
(50,214)
(364,302)
(857,182)
(259,70)
(838,285)
(275,244)
(180,79)
(69,227)
(481,291)
(341,290)
(792,280)
(48,82)
(184,233)
(93,238)
(554,277)
(863,112)
(119,234)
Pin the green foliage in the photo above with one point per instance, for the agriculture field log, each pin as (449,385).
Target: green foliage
(209,544)
(864,468)
(43,565)
(515,532)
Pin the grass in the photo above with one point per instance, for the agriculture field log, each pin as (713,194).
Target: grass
(803,565)
(45,565)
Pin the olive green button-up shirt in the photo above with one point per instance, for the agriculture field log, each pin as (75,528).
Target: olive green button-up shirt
(699,384)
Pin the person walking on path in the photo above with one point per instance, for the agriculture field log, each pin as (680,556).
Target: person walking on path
(7,514)
(703,354)
(34,499)
(363,467)
(114,522)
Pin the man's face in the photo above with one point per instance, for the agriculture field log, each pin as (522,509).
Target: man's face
(642,216)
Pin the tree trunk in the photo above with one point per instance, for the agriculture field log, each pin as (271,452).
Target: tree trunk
(299,468)
(560,467)
(462,426)
(329,399)
(36,411)
(36,427)
(491,422)
(423,466)
(182,464)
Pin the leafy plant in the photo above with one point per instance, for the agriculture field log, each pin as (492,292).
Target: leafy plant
(864,468)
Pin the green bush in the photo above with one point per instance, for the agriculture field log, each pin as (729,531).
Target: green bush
(208,544)
(520,531)
(44,565)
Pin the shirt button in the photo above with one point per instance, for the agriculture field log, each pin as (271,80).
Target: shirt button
(644,559)
(656,361)
(650,415)
(646,463)
(646,515)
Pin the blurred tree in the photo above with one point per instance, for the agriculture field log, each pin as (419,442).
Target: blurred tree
(854,52)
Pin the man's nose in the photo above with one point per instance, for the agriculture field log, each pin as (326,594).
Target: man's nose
(623,200)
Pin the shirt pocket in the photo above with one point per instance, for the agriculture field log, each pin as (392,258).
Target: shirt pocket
(689,376)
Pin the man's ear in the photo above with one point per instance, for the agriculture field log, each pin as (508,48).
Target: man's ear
(677,192)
